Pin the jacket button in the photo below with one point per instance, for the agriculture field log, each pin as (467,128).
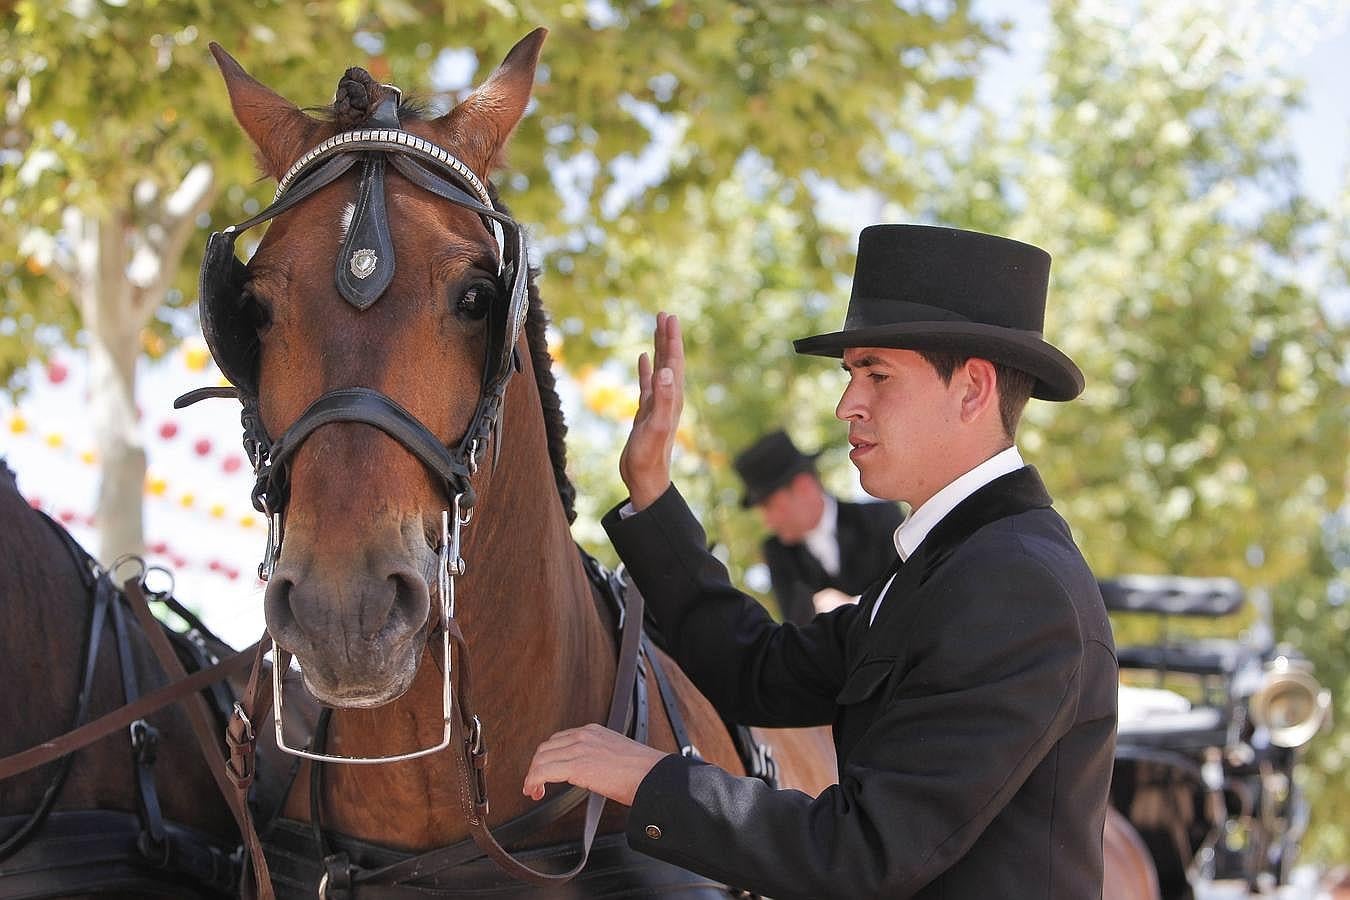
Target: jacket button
(653,832)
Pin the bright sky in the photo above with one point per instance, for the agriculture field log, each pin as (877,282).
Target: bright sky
(198,518)
(1314,45)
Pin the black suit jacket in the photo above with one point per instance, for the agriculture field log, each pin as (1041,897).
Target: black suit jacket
(866,552)
(974,720)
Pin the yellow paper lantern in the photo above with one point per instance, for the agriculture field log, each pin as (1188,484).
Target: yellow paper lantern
(187,500)
(88,457)
(217,510)
(55,440)
(18,424)
(156,486)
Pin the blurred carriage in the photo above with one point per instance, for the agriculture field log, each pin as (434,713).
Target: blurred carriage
(1212,730)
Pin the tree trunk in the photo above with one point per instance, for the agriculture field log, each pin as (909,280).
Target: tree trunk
(115,310)
(113,323)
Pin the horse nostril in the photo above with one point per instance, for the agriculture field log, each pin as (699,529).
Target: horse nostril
(411,603)
(277,605)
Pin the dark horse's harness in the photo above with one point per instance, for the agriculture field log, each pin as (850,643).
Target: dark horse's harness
(365,267)
(52,854)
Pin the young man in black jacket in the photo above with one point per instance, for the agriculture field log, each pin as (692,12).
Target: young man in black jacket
(972,691)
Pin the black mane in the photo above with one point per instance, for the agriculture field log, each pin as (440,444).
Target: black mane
(555,425)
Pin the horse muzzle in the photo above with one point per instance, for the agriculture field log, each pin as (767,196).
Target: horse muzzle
(358,635)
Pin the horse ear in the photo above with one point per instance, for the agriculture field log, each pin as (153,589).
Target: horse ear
(278,128)
(480,126)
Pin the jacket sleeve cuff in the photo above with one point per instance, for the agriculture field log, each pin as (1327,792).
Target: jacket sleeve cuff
(625,513)
(652,820)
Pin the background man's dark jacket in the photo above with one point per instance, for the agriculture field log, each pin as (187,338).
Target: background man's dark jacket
(866,553)
(974,721)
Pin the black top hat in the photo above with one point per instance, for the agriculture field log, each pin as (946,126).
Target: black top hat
(768,464)
(920,287)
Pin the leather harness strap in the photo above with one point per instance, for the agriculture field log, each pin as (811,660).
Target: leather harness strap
(620,706)
(240,767)
(663,685)
(119,718)
(204,727)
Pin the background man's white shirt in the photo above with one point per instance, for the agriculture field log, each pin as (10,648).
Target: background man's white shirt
(823,541)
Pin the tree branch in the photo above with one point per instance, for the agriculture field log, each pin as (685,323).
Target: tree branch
(194,196)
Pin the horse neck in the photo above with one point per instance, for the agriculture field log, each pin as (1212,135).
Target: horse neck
(528,611)
(540,656)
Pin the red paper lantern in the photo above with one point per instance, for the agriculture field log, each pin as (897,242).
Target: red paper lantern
(57,372)
(202,447)
(168,430)
(232,463)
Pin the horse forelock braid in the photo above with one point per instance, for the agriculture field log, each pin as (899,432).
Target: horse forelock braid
(357,94)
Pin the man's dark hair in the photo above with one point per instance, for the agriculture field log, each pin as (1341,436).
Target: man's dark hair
(1014,385)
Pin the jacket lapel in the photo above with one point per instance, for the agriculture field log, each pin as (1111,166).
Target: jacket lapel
(1008,495)
(857,632)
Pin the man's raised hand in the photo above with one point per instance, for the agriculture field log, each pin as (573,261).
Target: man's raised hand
(644,464)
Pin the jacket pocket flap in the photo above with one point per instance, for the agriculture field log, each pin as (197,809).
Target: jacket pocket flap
(864,681)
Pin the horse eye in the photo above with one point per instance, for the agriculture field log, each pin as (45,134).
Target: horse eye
(476,299)
(260,310)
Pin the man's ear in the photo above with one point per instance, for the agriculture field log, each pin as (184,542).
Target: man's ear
(277,127)
(979,389)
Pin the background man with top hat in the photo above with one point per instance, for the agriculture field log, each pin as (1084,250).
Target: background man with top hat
(821,550)
(972,692)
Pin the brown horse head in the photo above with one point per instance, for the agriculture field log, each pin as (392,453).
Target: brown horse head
(352,592)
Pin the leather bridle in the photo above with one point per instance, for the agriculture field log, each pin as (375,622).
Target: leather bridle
(364,269)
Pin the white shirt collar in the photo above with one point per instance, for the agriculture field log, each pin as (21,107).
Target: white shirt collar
(822,540)
(915,528)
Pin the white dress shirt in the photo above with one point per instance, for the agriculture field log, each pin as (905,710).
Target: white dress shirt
(916,526)
(823,540)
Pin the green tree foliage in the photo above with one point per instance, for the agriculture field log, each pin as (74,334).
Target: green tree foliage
(111,105)
(1188,284)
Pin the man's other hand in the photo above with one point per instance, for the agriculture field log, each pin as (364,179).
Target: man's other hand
(592,757)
